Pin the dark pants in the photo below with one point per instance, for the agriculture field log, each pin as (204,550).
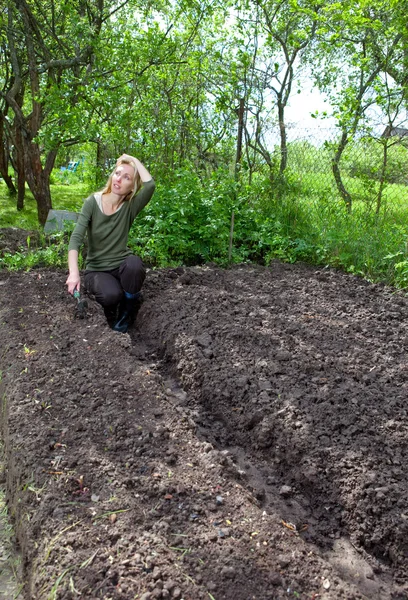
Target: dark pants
(108,286)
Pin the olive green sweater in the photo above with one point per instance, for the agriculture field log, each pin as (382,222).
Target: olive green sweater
(108,234)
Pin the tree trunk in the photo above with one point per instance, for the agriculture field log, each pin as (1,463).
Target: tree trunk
(43,198)
(241,113)
(4,159)
(100,163)
(283,138)
(19,168)
(38,178)
(336,171)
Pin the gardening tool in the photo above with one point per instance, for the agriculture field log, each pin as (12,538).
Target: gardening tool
(82,305)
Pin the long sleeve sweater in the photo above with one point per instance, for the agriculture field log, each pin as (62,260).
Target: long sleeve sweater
(108,234)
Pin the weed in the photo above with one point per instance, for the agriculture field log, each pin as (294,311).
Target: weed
(53,593)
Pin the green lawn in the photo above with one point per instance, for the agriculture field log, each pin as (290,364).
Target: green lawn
(64,197)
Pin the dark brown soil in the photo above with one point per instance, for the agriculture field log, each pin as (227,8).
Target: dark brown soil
(247,439)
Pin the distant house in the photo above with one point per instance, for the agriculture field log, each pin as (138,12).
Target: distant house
(399,132)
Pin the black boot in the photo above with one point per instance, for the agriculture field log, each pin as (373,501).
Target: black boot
(111,314)
(128,309)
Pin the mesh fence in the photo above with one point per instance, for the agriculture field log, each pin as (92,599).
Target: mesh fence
(373,170)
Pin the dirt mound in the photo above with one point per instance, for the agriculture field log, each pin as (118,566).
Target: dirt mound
(13,239)
(247,440)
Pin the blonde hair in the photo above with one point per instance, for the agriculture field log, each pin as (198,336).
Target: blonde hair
(137,183)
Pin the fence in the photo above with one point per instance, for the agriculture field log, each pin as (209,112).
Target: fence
(373,170)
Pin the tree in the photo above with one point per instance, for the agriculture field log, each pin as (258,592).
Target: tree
(357,44)
(5,83)
(88,71)
(276,35)
(49,46)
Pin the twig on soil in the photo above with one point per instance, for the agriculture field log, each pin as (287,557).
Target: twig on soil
(111,512)
(156,507)
(185,574)
(294,528)
(189,578)
(183,550)
(72,587)
(89,560)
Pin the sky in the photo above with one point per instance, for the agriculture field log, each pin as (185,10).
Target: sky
(302,105)
(310,100)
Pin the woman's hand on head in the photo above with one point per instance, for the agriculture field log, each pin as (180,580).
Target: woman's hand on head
(141,169)
(73,283)
(126,157)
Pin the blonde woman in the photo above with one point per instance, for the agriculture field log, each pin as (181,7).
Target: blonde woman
(112,274)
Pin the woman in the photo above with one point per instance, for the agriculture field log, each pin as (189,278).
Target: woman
(113,275)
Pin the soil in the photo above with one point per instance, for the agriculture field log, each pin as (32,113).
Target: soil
(247,440)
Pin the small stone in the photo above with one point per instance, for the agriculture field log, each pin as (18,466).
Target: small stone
(58,513)
(285,491)
(146,596)
(326,584)
(283,560)
(204,340)
(275,579)
(225,532)
(219,500)
(176,594)
(228,572)
(169,585)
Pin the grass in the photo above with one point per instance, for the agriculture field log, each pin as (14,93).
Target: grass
(38,249)
(360,243)
(63,197)
(311,225)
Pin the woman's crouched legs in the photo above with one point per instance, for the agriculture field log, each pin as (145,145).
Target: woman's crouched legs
(118,291)
(107,291)
(132,274)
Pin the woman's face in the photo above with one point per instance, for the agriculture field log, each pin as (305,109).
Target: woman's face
(123,179)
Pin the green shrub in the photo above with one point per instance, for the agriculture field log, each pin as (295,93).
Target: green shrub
(294,218)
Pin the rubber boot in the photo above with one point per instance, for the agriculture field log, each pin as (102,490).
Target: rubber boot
(111,314)
(127,311)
